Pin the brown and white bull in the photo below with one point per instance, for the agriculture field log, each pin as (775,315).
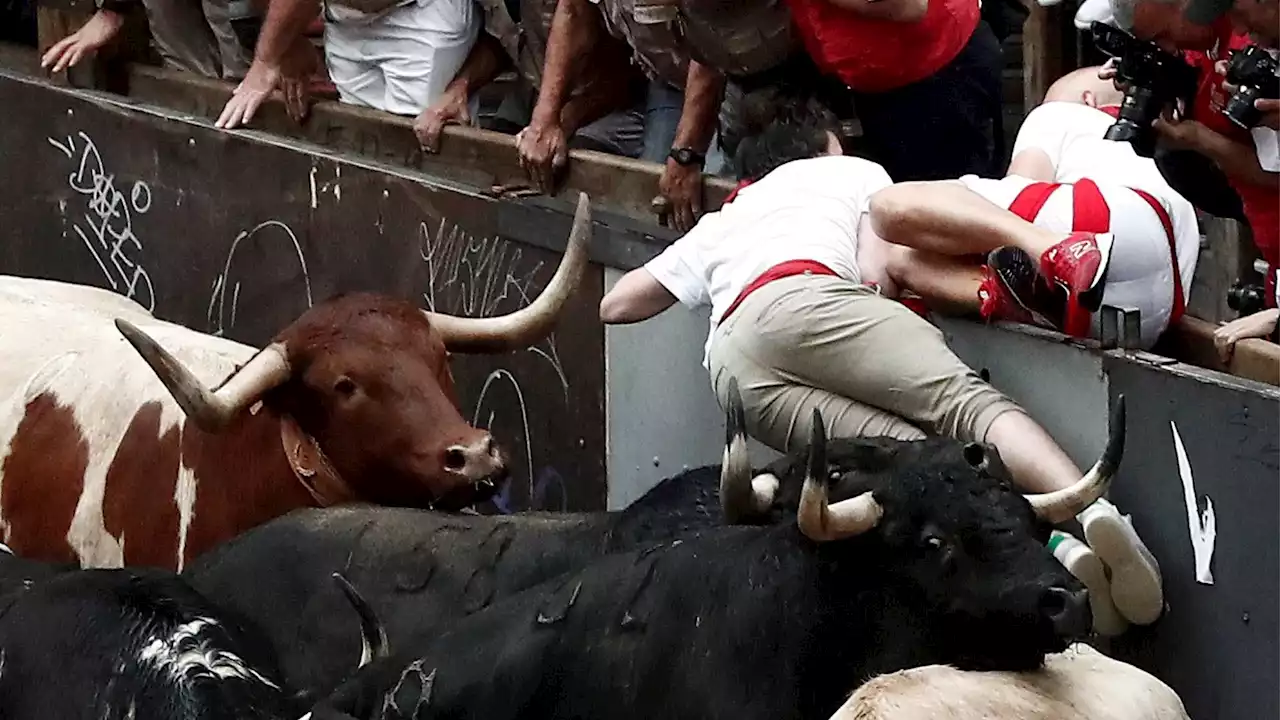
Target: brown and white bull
(107,460)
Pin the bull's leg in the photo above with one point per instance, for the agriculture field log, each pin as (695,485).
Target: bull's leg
(947,218)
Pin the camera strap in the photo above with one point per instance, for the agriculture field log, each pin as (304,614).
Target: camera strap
(1090,213)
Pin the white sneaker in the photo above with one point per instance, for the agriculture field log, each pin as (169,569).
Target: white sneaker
(1080,560)
(1135,575)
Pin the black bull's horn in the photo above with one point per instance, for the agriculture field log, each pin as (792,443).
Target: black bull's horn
(743,497)
(1062,505)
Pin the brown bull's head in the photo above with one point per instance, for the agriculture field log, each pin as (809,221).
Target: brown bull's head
(364,381)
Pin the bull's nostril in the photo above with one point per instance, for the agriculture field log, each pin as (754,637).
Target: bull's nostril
(455,459)
(1054,602)
(1068,610)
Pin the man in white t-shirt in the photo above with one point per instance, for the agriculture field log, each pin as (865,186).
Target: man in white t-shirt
(1102,222)
(786,266)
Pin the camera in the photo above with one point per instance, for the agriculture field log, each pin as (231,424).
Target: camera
(1253,72)
(1154,79)
(1246,298)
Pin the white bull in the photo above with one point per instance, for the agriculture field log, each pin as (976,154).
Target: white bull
(1079,684)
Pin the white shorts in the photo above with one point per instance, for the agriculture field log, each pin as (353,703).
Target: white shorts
(400,60)
(1140,274)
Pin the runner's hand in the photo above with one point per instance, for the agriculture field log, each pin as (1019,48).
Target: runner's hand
(101,29)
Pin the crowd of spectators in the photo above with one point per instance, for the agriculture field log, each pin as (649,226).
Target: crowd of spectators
(664,80)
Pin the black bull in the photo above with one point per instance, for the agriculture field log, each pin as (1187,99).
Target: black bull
(937,563)
(138,643)
(423,570)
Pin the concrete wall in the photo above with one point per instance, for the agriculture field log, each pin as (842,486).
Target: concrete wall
(662,416)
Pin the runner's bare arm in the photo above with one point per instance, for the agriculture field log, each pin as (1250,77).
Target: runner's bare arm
(637,296)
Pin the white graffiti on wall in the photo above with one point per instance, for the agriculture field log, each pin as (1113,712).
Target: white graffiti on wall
(480,274)
(107,230)
(221,314)
(1202,525)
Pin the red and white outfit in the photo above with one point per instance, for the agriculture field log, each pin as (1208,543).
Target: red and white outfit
(1102,186)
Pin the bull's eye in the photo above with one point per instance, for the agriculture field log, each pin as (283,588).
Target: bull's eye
(345,386)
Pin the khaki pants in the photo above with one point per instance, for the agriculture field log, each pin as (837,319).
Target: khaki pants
(197,36)
(868,364)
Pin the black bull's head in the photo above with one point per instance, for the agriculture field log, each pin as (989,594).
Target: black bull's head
(946,522)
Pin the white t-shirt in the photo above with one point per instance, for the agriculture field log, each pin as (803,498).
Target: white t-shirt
(804,210)
(1267,143)
(1071,134)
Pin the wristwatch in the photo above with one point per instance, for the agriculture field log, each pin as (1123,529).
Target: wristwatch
(687,156)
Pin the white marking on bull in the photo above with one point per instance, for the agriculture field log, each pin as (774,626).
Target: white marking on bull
(187,654)
(184,495)
(1203,527)
(61,341)
(312,180)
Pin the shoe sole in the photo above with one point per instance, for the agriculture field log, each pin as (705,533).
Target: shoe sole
(1084,564)
(1136,586)
(1002,261)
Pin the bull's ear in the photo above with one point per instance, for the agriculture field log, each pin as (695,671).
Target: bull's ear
(975,454)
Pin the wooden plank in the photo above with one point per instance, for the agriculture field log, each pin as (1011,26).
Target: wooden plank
(1226,255)
(469,155)
(1043,54)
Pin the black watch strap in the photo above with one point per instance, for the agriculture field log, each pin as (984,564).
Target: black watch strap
(116,6)
(687,156)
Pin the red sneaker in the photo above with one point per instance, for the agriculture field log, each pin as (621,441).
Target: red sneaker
(997,303)
(1078,265)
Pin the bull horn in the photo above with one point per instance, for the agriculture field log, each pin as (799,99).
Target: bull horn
(373,636)
(742,497)
(211,410)
(534,322)
(820,521)
(1061,505)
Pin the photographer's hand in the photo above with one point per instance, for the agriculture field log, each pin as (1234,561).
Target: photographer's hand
(1238,160)
(1183,134)
(1270,109)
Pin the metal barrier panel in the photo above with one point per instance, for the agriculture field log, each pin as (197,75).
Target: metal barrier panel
(1201,478)
(236,234)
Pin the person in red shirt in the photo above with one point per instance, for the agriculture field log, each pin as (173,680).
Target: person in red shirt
(925,78)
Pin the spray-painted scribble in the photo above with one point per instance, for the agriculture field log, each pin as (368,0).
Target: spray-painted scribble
(107,228)
(272,243)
